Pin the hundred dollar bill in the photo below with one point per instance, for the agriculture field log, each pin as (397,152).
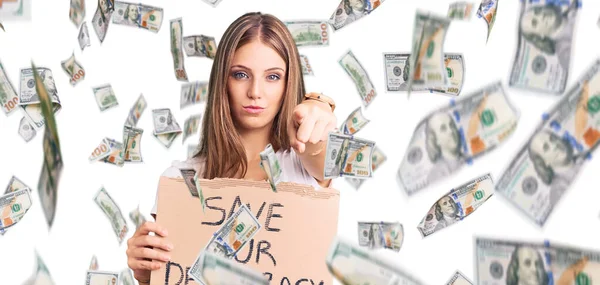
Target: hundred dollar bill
(309,32)
(460,11)
(105,97)
(190,126)
(77,11)
(377,159)
(15,184)
(487,10)
(84,36)
(132,139)
(136,111)
(189,175)
(198,188)
(359,75)
(112,211)
(41,276)
(427,60)
(350,11)
(355,122)
(214,3)
(73,69)
(26,131)
(353,266)
(115,156)
(270,164)
(137,217)
(192,149)
(176,52)
(216,270)
(233,234)
(29,98)
(138,15)
(8,96)
(126,277)
(306,69)
(515,262)
(550,160)
(200,46)
(166,139)
(451,136)
(193,93)
(543,55)
(94,277)
(53,164)
(457,204)
(13,207)
(101,19)
(93,263)
(164,122)
(459,279)
(380,235)
(455,68)
(348,156)
(101,151)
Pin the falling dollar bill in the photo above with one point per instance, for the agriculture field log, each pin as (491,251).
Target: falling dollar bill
(214,3)
(77,11)
(138,15)
(233,234)
(427,60)
(116,156)
(545,167)
(13,207)
(8,95)
(105,97)
(306,69)
(459,279)
(350,11)
(84,36)
(216,270)
(29,98)
(460,10)
(52,164)
(176,52)
(200,46)
(543,55)
(189,175)
(104,149)
(197,177)
(351,265)
(136,111)
(132,139)
(376,235)
(455,68)
(451,136)
(359,75)
(270,164)
(101,19)
(137,217)
(487,10)
(193,93)
(73,69)
(41,276)
(519,262)
(113,213)
(94,277)
(355,121)
(348,156)
(26,131)
(309,32)
(164,121)
(14,184)
(457,204)
(127,279)
(377,159)
(15,10)
(93,263)
(190,126)
(192,149)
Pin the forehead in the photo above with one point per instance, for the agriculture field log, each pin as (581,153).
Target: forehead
(256,55)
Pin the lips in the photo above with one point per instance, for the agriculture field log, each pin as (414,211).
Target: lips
(253,109)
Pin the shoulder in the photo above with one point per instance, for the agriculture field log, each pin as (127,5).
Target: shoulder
(173,171)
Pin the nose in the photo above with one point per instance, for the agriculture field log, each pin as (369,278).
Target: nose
(256,89)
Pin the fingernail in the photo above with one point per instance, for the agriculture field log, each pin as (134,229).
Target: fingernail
(170,247)
(166,257)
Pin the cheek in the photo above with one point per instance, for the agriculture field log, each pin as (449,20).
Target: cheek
(274,92)
(236,90)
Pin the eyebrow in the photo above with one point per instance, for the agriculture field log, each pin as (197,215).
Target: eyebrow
(244,67)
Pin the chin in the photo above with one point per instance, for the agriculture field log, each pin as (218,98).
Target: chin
(253,123)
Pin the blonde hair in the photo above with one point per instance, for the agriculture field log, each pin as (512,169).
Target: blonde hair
(220,145)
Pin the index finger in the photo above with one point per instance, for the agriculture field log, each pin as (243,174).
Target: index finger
(149,227)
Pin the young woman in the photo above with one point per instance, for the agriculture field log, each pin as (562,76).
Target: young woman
(256,97)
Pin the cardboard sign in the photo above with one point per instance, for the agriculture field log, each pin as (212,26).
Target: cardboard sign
(298,225)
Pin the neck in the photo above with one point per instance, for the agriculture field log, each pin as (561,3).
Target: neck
(255,141)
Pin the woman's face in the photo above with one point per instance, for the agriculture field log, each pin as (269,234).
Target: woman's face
(255,85)
(540,21)
(132,13)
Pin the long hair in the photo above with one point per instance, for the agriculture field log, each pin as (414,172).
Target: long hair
(221,146)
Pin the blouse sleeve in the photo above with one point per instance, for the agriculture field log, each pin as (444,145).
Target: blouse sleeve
(171,172)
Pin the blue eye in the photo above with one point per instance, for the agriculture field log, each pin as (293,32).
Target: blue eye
(273,77)
(239,75)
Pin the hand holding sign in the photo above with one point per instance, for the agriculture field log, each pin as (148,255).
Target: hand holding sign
(141,255)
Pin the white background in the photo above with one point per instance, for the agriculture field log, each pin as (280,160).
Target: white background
(137,61)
